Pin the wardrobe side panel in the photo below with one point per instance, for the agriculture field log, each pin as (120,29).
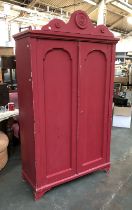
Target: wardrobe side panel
(26,117)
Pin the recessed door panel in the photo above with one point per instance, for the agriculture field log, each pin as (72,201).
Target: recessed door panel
(92,109)
(58,110)
(58,69)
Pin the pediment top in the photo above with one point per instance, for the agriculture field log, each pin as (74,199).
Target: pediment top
(79,23)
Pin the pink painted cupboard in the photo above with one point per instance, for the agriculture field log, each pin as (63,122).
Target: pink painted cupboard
(65,84)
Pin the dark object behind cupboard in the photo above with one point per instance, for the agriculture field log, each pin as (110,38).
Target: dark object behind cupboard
(8,67)
(69,116)
(119,101)
(8,62)
(4,94)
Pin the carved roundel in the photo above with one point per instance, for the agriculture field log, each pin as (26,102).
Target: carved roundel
(57,25)
(81,20)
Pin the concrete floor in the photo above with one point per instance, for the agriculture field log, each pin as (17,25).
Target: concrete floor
(96,191)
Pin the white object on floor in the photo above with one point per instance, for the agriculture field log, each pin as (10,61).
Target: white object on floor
(122,121)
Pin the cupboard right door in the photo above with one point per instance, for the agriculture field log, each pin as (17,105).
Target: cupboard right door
(93,105)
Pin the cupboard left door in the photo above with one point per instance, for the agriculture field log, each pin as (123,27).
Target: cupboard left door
(56,76)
